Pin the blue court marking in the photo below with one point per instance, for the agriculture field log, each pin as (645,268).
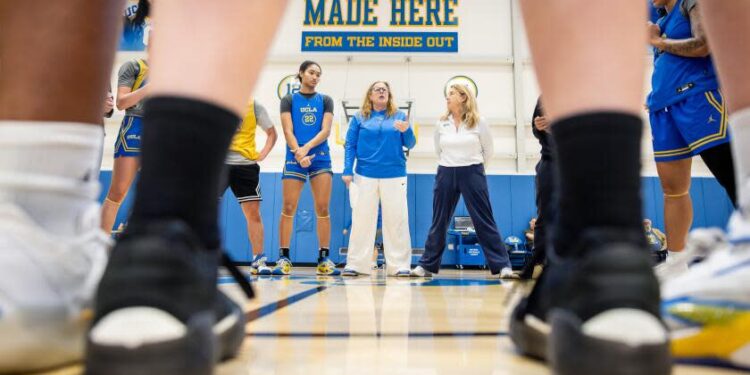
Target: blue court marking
(346,335)
(278,305)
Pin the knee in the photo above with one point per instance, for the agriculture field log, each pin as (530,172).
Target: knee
(288,208)
(321,210)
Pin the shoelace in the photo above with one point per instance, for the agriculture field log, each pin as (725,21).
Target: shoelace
(227,262)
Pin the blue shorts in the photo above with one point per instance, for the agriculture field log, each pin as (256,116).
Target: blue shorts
(686,128)
(128,142)
(293,170)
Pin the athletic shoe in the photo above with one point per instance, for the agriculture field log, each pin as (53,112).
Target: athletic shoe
(46,287)
(158,308)
(326,267)
(699,246)
(350,272)
(403,273)
(418,271)
(597,313)
(258,265)
(283,267)
(708,308)
(507,273)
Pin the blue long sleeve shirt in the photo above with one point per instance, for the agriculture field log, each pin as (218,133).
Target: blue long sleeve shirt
(377,146)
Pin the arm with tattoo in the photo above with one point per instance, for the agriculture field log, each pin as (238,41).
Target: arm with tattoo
(696,46)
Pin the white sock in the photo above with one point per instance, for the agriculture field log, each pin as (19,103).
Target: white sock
(51,170)
(740,125)
(675,256)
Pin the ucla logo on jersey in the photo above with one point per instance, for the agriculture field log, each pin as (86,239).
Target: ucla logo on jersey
(288,85)
(464,81)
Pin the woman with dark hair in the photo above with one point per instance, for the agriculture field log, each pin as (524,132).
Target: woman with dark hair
(134,32)
(306,118)
(376,137)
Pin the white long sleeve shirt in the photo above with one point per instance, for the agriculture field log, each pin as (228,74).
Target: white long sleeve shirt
(462,147)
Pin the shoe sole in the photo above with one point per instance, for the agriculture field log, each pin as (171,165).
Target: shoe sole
(528,340)
(571,352)
(193,354)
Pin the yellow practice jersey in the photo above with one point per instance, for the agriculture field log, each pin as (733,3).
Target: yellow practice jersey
(244,140)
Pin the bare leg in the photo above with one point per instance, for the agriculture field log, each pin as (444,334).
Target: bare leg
(37,33)
(321,190)
(291,190)
(678,207)
(587,65)
(254,225)
(591,73)
(727,22)
(123,173)
(55,59)
(202,74)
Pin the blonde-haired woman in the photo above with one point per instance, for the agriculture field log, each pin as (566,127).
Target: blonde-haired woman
(463,144)
(376,137)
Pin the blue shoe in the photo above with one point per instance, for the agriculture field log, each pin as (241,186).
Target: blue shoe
(708,307)
(258,265)
(326,267)
(283,267)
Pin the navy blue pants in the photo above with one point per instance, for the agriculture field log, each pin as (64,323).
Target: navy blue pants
(471,183)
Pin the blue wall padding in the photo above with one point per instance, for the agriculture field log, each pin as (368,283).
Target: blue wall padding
(512,198)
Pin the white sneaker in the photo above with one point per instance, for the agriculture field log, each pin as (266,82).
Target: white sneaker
(708,308)
(507,273)
(46,286)
(701,242)
(418,271)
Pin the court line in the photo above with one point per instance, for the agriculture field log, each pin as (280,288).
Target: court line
(280,304)
(344,335)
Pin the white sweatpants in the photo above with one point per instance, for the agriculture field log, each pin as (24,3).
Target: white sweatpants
(364,195)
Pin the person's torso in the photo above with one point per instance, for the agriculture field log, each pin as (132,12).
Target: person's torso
(141,79)
(675,77)
(379,146)
(459,146)
(243,149)
(307,120)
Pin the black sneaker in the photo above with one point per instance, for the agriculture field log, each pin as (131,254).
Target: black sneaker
(162,269)
(576,314)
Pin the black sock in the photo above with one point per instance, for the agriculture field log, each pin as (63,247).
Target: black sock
(323,253)
(184,146)
(284,252)
(599,164)
(719,161)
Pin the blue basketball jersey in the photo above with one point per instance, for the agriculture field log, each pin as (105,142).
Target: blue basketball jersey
(307,119)
(675,77)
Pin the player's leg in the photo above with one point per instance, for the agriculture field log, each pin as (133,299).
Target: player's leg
(162,273)
(674,177)
(591,76)
(291,188)
(56,61)
(123,173)
(728,270)
(321,185)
